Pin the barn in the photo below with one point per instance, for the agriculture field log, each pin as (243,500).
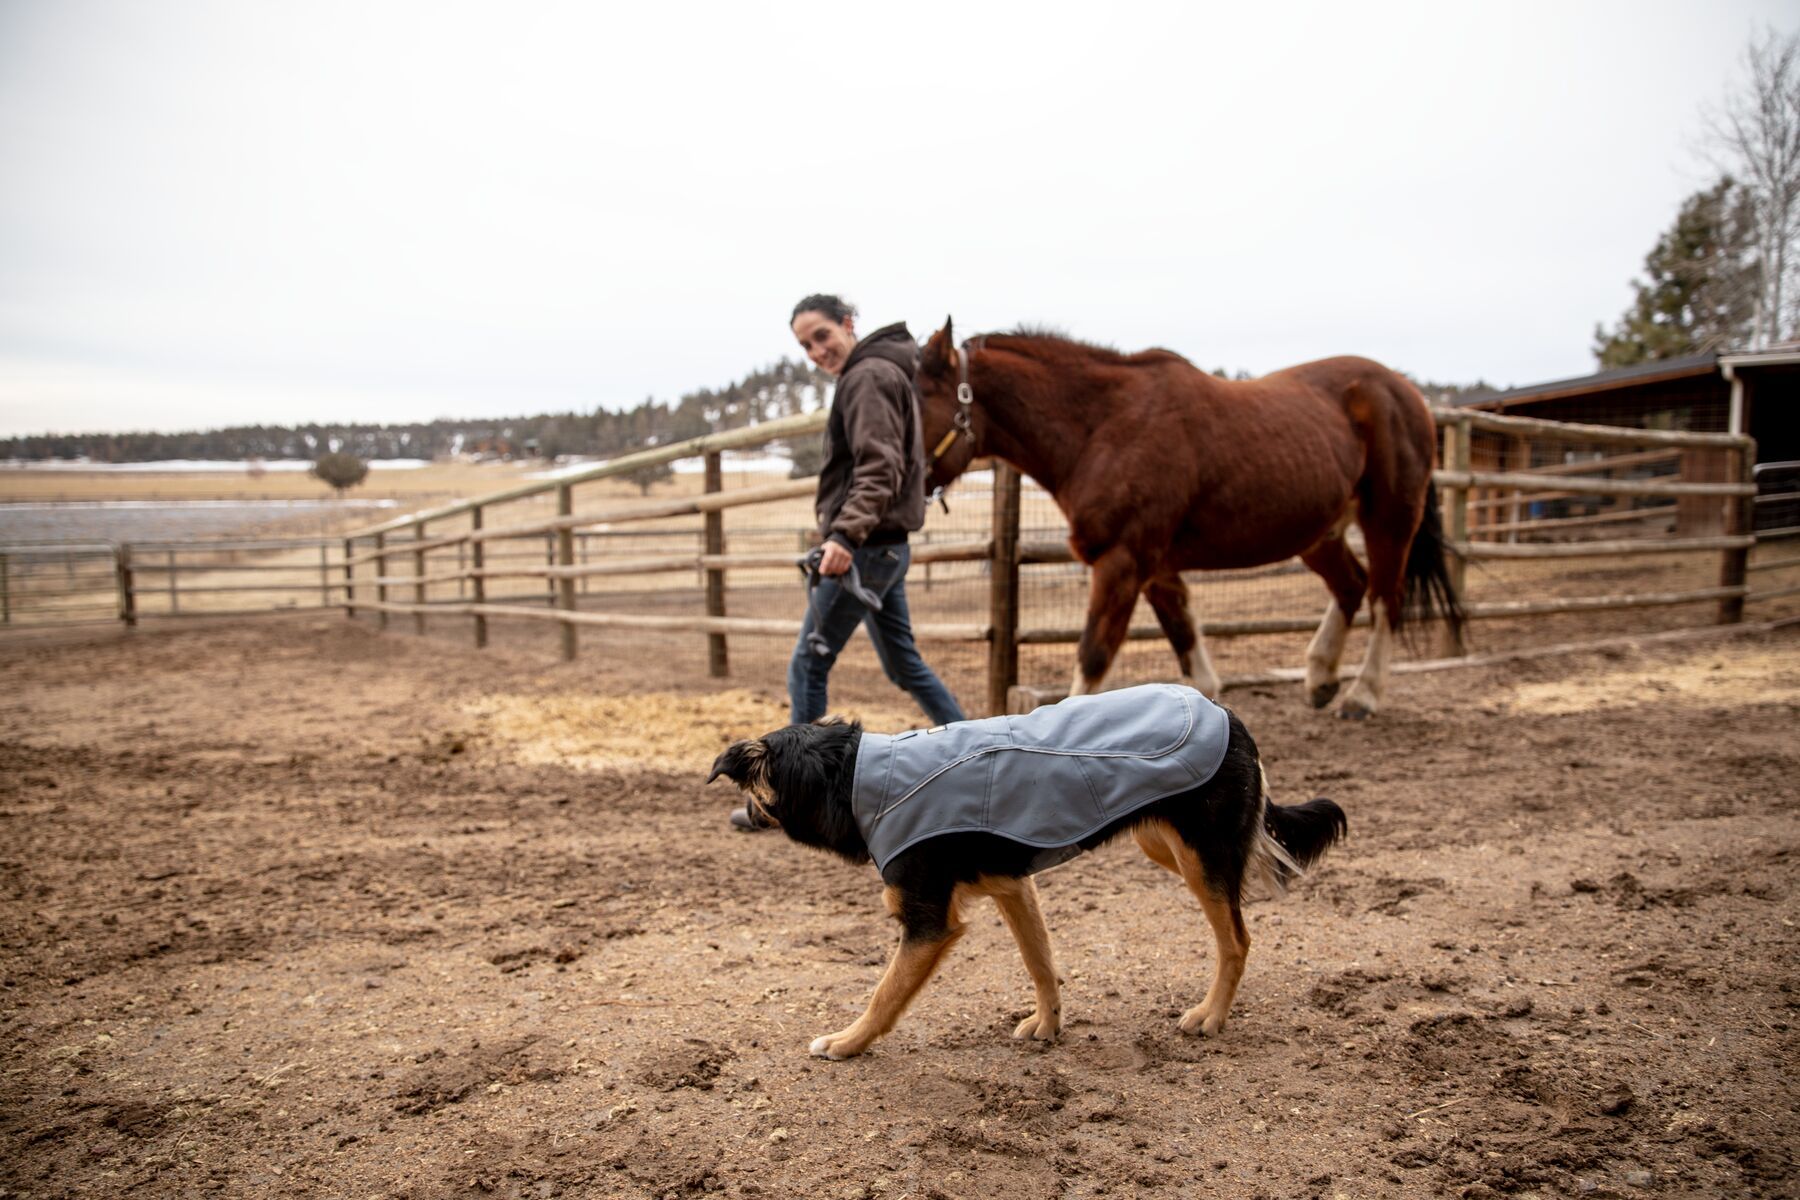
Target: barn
(1756,393)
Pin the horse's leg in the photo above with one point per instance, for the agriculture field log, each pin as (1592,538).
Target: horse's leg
(1387,563)
(1112,594)
(1345,578)
(1168,595)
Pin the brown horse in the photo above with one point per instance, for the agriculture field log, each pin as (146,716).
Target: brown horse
(1161,468)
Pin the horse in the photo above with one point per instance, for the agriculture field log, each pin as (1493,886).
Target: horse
(1161,468)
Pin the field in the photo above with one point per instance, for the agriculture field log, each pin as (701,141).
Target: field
(437,480)
(301,909)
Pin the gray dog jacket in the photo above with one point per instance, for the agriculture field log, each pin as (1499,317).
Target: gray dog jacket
(1047,779)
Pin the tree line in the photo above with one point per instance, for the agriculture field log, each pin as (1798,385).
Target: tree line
(781,390)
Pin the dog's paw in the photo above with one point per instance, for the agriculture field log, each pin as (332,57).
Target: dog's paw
(1203,1021)
(837,1046)
(1040,1025)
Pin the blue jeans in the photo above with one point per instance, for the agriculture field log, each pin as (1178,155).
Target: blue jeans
(835,613)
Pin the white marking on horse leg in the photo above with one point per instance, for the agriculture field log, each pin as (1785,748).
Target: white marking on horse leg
(1078,684)
(1364,697)
(1323,654)
(1174,604)
(1204,679)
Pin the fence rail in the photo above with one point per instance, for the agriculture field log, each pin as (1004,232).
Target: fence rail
(1518,494)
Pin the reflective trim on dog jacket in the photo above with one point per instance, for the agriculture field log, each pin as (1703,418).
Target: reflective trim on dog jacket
(1047,779)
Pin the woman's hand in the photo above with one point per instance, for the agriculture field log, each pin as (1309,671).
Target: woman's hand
(836,560)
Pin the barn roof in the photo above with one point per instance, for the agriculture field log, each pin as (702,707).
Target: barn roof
(1687,367)
(1601,381)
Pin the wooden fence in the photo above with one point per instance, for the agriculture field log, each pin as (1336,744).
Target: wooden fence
(534,553)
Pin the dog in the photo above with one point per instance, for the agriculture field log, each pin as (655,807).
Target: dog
(976,808)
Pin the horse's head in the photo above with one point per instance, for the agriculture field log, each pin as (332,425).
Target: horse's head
(952,428)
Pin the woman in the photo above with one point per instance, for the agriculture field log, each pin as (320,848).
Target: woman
(871,495)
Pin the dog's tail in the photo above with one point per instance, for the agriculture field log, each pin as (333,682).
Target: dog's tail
(1293,837)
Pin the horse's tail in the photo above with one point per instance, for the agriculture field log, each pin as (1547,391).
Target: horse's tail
(1429,591)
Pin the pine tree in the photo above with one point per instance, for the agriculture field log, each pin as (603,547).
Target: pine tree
(1700,285)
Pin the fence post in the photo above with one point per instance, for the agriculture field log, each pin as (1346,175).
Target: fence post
(718,662)
(174,591)
(127,592)
(324,575)
(349,579)
(381,617)
(565,557)
(5,591)
(419,570)
(1003,590)
(550,561)
(1739,521)
(478,556)
(1457,439)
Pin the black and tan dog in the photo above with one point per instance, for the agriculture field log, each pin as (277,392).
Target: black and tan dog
(1222,836)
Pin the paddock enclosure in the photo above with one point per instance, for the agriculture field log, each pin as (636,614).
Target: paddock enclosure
(1566,533)
(334,902)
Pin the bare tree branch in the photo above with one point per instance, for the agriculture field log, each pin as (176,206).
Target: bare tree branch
(1756,138)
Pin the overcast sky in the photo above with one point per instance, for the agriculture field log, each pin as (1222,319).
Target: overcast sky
(241,211)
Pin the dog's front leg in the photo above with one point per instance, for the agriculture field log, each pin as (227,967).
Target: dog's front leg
(1018,904)
(911,966)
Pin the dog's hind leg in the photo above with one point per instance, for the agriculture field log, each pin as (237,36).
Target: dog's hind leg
(1158,840)
(1154,838)
(1227,921)
(917,957)
(1018,903)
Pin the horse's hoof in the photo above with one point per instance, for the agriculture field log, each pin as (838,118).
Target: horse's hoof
(1354,710)
(1324,694)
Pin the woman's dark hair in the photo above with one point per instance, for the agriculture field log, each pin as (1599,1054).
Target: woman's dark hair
(832,308)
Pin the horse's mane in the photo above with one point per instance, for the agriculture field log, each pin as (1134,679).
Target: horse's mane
(1043,341)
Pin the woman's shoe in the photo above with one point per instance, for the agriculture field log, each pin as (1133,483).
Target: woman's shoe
(745,821)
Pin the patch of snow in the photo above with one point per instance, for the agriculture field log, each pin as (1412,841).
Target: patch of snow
(731,460)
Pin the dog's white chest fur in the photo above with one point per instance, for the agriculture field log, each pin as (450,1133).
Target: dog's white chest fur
(1047,779)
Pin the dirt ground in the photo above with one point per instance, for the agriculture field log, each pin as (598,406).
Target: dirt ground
(301,909)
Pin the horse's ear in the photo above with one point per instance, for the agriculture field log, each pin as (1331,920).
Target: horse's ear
(935,358)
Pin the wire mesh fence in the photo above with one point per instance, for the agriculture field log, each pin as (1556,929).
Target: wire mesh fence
(57,584)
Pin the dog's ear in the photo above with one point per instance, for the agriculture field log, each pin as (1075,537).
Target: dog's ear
(741,761)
